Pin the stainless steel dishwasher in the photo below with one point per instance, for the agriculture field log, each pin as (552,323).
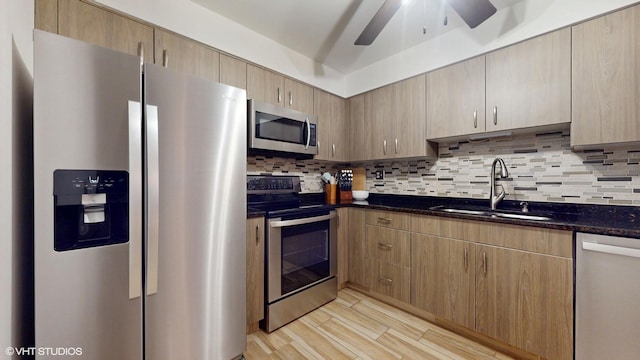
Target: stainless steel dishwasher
(607,297)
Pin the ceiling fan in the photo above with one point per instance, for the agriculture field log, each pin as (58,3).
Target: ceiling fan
(473,12)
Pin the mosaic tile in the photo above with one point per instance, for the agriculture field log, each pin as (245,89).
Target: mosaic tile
(541,168)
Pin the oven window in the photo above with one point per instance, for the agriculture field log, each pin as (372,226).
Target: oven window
(280,129)
(305,255)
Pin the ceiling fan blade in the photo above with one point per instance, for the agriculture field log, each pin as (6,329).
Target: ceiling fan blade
(473,12)
(378,22)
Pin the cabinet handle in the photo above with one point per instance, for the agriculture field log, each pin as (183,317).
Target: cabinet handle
(384,220)
(385,280)
(475,119)
(484,262)
(396,146)
(384,147)
(279,96)
(257,234)
(290,99)
(384,246)
(165,58)
(495,115)
(466,259)
(333,150)
(141,54)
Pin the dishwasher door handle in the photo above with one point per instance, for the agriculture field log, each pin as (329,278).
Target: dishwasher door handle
(610,249)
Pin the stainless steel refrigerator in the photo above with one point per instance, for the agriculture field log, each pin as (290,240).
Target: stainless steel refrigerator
(140,208)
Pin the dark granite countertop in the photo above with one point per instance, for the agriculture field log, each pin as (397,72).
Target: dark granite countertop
(254,213)
(597,219)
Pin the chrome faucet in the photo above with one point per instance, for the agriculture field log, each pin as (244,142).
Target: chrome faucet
(495,199)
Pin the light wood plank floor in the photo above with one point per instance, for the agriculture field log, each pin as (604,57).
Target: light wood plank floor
(355,326)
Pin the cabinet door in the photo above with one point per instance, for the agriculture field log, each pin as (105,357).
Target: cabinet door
(46,17)
(233,71)
(408,119)
(525,300)
(298,96)
(529,84)
(264,85)
(339,127)
(186,55)
(455,99)
(606,79)
(88,23)
(343,247)
(322,104)
(357,269)
(443,278)
(356,128)
(377,114)
(255,272)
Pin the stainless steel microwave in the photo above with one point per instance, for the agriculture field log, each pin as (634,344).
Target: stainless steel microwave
(275,128)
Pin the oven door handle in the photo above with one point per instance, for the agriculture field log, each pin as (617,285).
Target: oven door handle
(284,223)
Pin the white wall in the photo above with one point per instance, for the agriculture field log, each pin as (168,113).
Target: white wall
(506,27)
(16,25)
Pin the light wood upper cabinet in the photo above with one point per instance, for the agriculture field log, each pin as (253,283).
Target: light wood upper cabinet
(356,128)
(298,96)
(186,55)
(332,127)
(255,272)
(267,86)
(409,118)
(606,80)
(455,99)
(525,300)
(443,278)
(396,120)
(46,18)
(100,27)
(264,85)
(529,84)
(233,71)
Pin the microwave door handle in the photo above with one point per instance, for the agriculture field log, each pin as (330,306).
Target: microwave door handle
(284,223)
(306,121)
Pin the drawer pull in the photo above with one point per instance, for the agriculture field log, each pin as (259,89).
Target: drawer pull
(384,220)
(466,259)
(385,280)
(384,246)
(484,262)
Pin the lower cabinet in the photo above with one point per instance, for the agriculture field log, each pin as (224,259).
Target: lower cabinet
(443,278)
(255,272)
(525,300)
(356,245)
(387,256)
(510,283)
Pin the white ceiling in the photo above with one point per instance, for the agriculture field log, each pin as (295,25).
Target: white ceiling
(325,30)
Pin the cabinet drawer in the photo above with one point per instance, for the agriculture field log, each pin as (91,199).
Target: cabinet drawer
(388,279)
(388,245)
(389,219)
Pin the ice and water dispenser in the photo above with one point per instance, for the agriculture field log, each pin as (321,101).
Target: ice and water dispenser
(91,208)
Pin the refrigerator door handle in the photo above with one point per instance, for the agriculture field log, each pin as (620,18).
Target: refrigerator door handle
(135,200)
(153,199)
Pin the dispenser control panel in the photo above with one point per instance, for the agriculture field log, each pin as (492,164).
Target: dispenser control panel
(91,208)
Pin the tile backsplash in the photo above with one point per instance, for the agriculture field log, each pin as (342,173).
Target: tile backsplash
(541,168)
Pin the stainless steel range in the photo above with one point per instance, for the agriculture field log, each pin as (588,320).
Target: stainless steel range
(300,256)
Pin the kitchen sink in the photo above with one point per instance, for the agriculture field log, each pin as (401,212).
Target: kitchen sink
(492,213)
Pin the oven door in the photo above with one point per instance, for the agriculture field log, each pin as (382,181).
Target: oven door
(301,252)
